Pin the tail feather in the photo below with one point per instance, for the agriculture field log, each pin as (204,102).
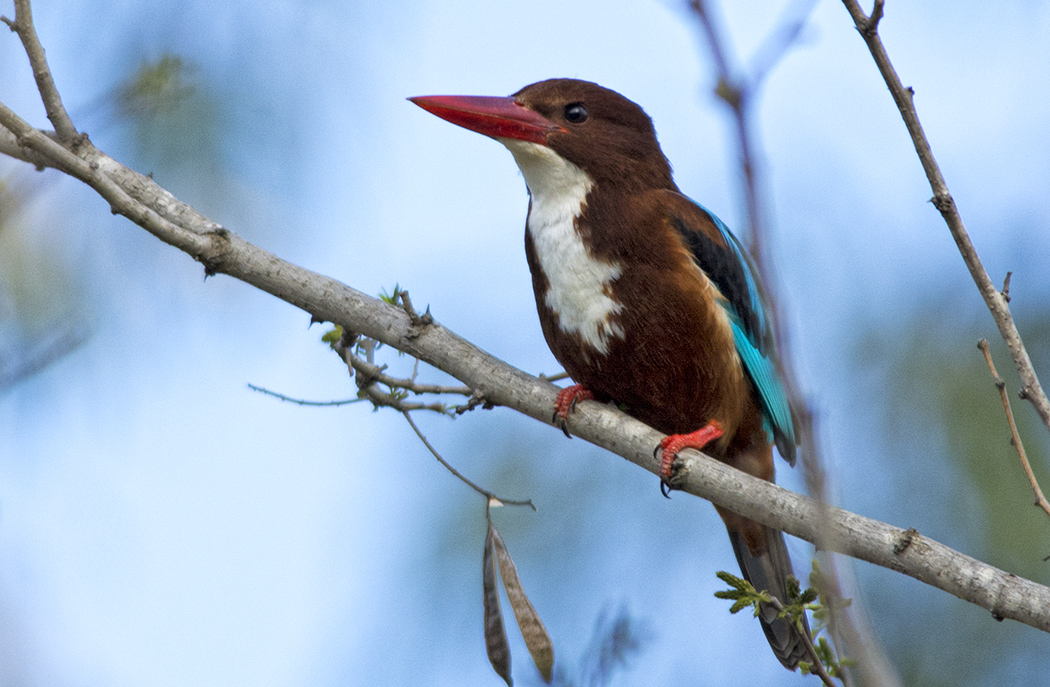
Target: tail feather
(768,571)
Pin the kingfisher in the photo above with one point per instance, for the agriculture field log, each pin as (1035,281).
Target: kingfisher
(646,298)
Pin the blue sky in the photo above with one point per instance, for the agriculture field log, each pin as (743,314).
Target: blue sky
(160,524)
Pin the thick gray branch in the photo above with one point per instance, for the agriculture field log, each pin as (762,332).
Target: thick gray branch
(146,203)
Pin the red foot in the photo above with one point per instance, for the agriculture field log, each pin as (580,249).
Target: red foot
(566,401)
(671,445)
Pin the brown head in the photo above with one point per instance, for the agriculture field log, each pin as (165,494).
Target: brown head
(598,130)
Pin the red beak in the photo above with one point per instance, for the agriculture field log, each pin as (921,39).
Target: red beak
(498,117)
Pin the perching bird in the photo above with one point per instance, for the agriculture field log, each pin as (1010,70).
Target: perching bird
(645,296)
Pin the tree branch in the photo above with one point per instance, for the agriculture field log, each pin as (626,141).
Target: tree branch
(1005,595)
(1015,437)
(220,251)
(56,112)
(997,302)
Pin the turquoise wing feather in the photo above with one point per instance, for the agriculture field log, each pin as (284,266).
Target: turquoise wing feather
(734,274)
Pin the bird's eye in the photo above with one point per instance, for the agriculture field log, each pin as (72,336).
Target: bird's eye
(576,113)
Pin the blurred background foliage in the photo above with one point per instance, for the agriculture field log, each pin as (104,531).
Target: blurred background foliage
(146,496)
(957,477)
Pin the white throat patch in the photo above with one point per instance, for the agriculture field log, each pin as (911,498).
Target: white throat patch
(579,282)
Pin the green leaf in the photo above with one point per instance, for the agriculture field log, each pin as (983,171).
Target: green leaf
(733,580)
(739,606)
(391,298)
(332,336)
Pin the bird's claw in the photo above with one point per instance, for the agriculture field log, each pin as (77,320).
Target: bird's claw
(562,422)
(566,403)
(666,469)
(667,450)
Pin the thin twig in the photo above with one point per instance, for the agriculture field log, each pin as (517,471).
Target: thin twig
(374,373)
(736,91)
(380,398)
(489,496)
(1015,437)
(785,36)
(996,301)
(368,375)
(56,112)
(44,354)
(302,402)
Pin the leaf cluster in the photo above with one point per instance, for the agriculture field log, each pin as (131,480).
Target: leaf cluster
(743,594)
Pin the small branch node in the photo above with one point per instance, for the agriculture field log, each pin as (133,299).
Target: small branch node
(476,399)
(869,26)
(419,322)
(943,202)
(905,540)
(1006,287)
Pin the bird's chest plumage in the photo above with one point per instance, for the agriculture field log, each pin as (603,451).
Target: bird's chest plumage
(578,285)
(639,324)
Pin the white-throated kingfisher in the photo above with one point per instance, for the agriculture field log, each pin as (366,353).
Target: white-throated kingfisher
(645,296)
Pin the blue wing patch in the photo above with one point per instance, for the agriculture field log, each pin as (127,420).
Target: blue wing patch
(752,335)
(777,411)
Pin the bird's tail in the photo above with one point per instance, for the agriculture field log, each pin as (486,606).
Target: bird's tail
(766,565)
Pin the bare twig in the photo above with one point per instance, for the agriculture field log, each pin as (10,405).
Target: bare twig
(367,375)
(302,402)
(368,389)
(997,302)
(326,299)
(737,91)
(1015,437)
(56,112)
(374,373)
(785,36)
(42,355)
(369,392)
(489,496)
